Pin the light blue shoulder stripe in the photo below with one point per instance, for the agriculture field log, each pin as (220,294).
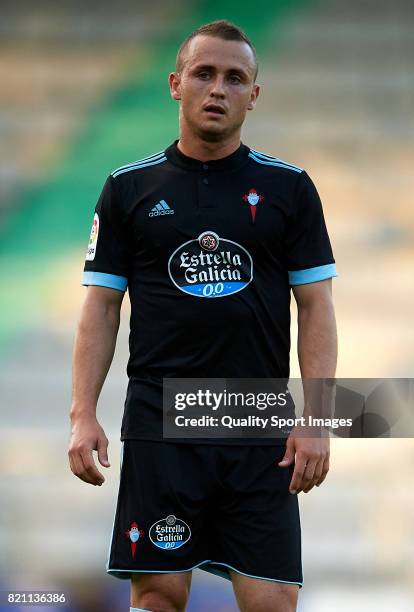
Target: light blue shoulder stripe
(273,158)
(140,161)
(276,159)
(273,163)
(312,275)
(101,279)
(139,166)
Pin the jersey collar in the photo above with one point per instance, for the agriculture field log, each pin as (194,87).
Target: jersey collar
(232,162)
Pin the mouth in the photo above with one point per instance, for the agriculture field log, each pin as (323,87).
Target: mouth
(214,110)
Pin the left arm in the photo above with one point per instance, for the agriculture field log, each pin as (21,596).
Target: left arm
(317,352)
(317,339)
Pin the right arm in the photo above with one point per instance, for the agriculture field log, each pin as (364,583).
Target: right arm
(92,356)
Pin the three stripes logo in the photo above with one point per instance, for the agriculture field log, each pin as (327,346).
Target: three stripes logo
(160,209)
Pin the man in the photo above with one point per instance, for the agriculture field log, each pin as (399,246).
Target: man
(230,506)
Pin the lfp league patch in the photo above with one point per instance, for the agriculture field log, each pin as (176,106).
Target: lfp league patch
(93,239)
(169,533)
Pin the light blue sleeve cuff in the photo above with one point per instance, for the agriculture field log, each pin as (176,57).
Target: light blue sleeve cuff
(101,279)
(312,275)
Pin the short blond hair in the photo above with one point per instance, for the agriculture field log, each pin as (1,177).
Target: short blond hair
(220,29)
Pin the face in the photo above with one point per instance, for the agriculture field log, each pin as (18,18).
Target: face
(215,87)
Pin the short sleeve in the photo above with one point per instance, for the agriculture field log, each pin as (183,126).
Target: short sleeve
(308,249)
(106,262)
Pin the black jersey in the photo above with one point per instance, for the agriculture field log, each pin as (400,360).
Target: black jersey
(208,252)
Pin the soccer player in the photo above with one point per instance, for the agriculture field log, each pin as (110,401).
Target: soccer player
(210,237)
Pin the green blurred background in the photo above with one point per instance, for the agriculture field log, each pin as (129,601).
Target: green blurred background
(83,91)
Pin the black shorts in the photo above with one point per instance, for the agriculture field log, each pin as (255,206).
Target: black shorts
(216,507)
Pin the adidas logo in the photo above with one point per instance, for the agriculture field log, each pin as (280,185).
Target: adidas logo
(161,208)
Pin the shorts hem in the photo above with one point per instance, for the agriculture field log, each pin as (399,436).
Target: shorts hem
(207,565)
(210,567)
(124,573)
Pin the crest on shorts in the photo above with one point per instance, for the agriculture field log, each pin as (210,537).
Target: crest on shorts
(134,533)
(253,199)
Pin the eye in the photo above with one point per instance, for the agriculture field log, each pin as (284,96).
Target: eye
(203,75)
(234,78)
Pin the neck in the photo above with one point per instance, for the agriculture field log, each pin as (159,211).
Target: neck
(197,148)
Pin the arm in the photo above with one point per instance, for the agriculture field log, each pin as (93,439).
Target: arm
(317,339)
(92,356)
(317,352)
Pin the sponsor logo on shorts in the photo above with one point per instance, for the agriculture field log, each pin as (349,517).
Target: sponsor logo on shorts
(169,533)
(134,533)
(93,239)
(210,266)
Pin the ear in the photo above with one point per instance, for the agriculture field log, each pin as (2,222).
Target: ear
(253,97)
(174,81)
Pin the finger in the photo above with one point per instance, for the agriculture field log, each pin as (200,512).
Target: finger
(308,475)
(318,471)
(78,468)
(297,475)
(90,469)
(288,457)
(103,452)
(325,471)
(72,465)
(316,476)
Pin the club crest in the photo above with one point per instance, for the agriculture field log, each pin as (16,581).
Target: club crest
(253,199)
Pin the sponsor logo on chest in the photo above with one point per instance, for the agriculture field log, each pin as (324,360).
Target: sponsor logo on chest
(210,266)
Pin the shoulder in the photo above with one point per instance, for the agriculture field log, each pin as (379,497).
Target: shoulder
(140,164)
(271,163)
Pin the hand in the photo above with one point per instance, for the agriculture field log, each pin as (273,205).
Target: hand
(88,435)
(312,460)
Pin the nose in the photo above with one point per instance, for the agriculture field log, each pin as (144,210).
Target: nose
(217,89)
